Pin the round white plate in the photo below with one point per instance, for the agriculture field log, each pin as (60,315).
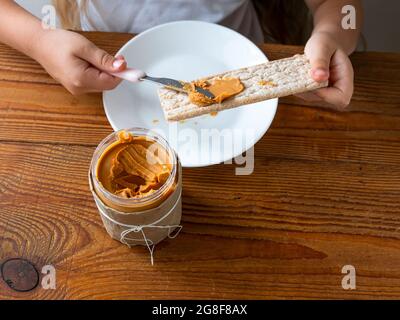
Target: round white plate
(189,50)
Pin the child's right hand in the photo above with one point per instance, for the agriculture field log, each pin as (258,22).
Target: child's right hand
(76,62)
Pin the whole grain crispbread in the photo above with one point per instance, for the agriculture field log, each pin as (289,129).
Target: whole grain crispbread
(264,81)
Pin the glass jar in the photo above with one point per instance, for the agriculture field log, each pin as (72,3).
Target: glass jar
(145,220)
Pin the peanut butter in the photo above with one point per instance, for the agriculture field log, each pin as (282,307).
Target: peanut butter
(136,181)
(221,88)
(267,83)
(133,166)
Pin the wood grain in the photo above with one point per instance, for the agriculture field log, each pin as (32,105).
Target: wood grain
(325,193)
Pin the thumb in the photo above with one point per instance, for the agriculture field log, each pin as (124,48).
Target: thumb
(103,60)
(320,58)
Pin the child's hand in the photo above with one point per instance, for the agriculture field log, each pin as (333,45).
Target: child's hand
(328,61)
(76,62)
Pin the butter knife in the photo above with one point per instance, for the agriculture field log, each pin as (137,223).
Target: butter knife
(135,75)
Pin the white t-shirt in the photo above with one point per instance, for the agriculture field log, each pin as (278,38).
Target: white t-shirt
(136,16)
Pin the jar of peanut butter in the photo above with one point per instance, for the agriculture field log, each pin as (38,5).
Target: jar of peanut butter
(136,181)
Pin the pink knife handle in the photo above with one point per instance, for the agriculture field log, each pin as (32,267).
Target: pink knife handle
(129,74)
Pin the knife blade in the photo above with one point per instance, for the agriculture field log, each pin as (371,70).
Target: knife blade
(178,85)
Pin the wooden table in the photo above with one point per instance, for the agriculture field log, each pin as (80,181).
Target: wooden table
(325,193)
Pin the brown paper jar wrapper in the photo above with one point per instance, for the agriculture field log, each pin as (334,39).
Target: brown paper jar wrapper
(145,228)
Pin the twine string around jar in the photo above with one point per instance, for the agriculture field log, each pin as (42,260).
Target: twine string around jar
(139,228)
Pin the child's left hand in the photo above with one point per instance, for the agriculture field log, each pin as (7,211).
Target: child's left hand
(329,61)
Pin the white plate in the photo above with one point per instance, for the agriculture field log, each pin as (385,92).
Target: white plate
(189,50)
